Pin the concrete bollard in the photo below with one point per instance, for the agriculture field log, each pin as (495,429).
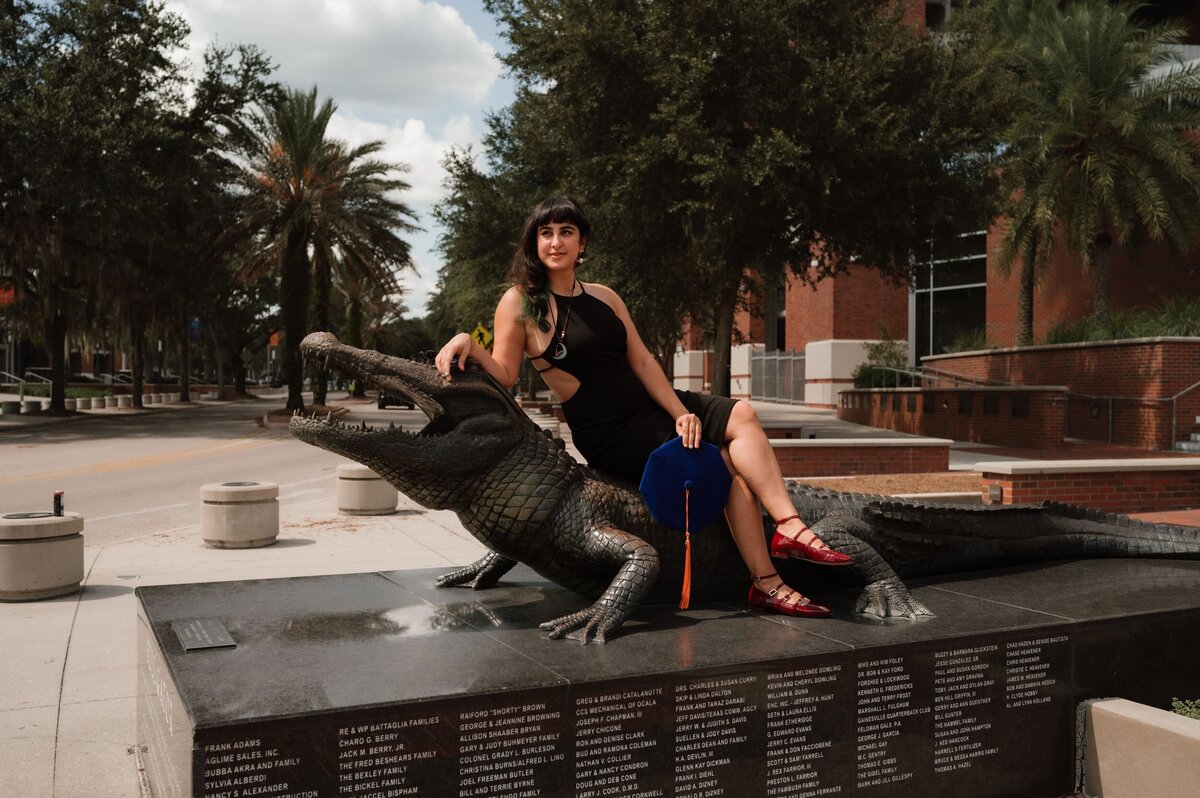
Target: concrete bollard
(10,408)
(239,515)
(124,401)
(70,404)
(360,491)
(175,397)
(110,401)
(159,398)
(33,405)
(97,403)
(41,555)
(148,399)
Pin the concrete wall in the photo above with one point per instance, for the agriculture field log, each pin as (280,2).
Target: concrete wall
(827,369)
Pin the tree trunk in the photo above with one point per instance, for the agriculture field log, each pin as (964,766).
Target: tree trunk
(1025,307)
(1025,297)
(219,357)
(723,339)
(137,337)
(239,371)
(185,361)
(321,322)
(1101,308)
(354,322)
(293,300)
(55,328)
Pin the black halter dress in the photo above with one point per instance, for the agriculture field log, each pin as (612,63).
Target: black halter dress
(614,421)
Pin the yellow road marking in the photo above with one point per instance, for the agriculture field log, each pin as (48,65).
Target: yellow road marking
(238,444)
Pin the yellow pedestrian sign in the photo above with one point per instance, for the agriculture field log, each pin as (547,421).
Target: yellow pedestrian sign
(482,336)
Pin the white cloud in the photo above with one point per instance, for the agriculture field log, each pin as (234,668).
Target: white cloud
(395,56)
(410,73)
(411,142)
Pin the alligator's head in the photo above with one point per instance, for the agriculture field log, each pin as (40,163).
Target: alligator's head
(473,423)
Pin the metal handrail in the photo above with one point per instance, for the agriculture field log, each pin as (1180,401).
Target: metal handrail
(1175,412)
(38,377)
(17,380)
(970,380)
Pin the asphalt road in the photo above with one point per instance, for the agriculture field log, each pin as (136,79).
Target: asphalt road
(132,475)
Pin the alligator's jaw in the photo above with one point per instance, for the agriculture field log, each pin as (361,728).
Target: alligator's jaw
(472,422)
(395,376)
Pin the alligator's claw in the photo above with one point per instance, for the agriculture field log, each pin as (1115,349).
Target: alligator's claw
(592,623)
(479,575)
(889,598)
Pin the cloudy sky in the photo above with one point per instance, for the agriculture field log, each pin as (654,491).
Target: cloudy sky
(419,75)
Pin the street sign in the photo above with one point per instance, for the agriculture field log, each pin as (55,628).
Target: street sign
(482,336)
(8,294)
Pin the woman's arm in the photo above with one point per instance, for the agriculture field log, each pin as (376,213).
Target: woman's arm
(648,370)
(503,363)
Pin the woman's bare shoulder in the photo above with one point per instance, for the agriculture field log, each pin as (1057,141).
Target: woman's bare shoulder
(605,294)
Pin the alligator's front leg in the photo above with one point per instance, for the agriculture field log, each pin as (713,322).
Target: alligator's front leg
(479,575)
(885,595)
(636,574)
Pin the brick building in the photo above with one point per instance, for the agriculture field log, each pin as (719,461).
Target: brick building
(961,297)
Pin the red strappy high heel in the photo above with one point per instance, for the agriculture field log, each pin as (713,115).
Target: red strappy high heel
(783,547)
(773,602)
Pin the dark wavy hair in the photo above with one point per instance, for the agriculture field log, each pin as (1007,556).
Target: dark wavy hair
(528,272)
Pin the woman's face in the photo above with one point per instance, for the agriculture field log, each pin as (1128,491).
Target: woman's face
(559,245)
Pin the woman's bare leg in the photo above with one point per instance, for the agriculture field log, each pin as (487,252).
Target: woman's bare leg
(754,461)
(745,522)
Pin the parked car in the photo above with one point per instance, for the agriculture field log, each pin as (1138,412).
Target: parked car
(384,401)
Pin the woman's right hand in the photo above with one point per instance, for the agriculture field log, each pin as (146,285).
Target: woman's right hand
(457,347)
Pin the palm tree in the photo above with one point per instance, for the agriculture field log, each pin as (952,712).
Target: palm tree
(1102,147)
(313,204)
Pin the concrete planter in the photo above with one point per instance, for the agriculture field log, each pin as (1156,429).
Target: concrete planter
(360,491)
(239,515)
(70,404)
(10,408)
(110,401)
(41,555)
(96,403)
(148,399)
(33,405)
(1135,751)
(124,401)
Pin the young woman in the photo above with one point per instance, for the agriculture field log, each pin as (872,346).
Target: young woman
(618,403)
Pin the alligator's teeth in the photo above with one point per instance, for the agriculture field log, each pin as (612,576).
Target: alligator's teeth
(328,416)
(327,362)
(391,426)
(295,413)
(364,424)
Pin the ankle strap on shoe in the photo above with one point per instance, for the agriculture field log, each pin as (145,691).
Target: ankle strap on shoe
(757,579)
(782,521)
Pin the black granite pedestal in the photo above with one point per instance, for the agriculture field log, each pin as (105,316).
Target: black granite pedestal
(379,686)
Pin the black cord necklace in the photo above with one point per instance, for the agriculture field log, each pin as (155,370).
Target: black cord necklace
(560,349)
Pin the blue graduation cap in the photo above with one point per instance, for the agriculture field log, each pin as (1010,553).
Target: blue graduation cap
(684,488)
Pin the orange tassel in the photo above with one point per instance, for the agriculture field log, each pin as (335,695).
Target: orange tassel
(686,596)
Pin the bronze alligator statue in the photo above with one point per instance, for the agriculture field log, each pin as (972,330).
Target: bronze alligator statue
(527,500)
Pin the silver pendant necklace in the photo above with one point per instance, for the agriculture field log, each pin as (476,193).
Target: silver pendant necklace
(560,349)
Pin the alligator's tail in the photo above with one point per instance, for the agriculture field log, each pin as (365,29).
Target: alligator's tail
(1119,535)
(927,538)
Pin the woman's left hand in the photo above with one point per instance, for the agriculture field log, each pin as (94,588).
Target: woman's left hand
(688,427)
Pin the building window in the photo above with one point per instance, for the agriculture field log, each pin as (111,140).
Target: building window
(948,298)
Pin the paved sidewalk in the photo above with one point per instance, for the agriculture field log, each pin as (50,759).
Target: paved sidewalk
(69,665)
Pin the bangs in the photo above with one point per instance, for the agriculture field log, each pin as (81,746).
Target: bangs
(559,210)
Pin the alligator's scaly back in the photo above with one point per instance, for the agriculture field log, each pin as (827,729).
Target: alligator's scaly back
(921,539)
